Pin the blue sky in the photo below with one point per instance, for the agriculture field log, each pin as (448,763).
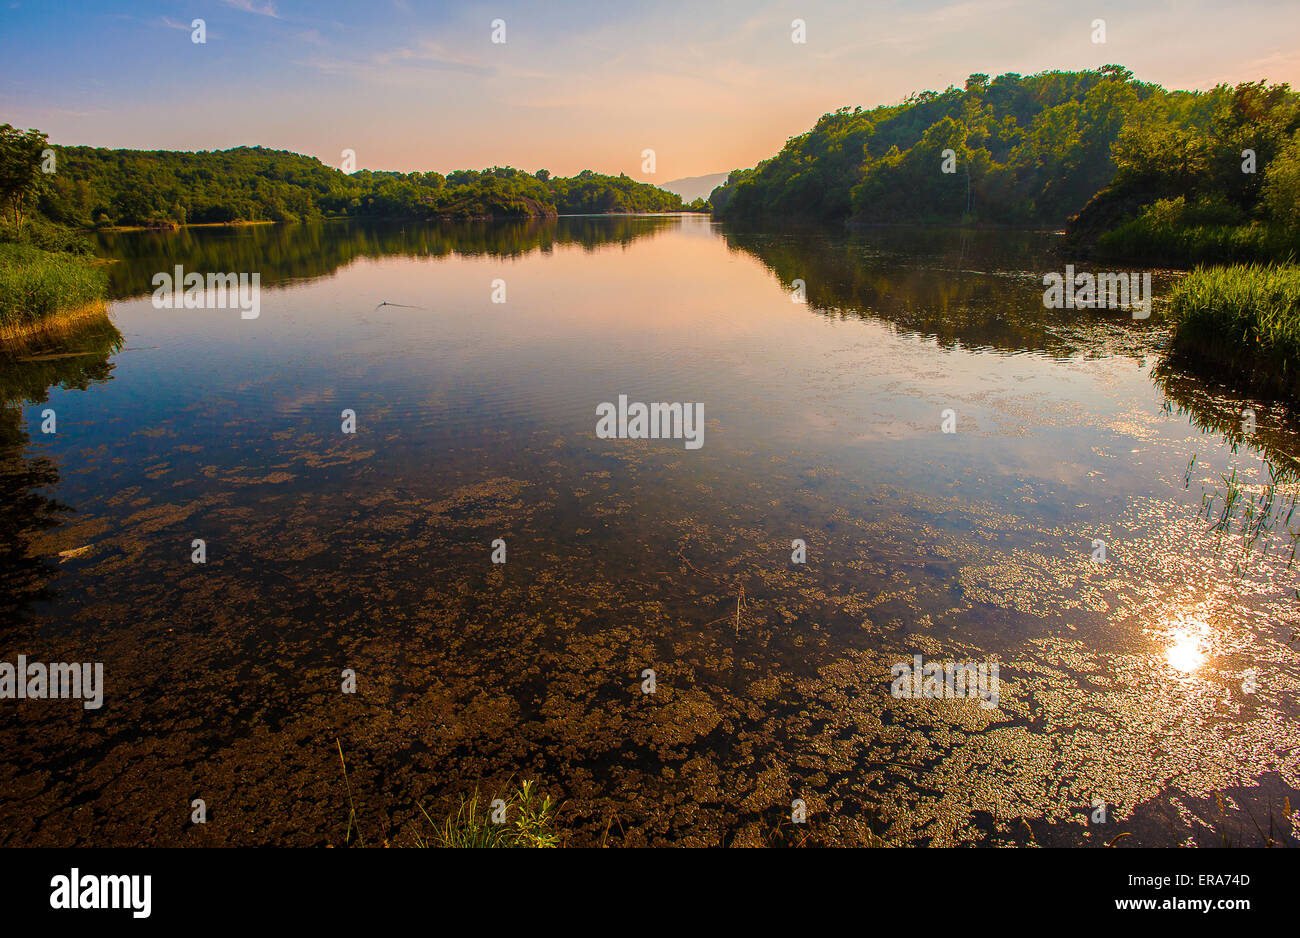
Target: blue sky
(710,86)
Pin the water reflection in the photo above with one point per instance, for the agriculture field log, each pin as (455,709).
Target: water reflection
(1249,500)
(1187,651)
(976,289)
(476,422)
(1187,643)
(981,289)
(81,359)
(285,253)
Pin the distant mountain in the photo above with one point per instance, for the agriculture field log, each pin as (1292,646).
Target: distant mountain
(691,188)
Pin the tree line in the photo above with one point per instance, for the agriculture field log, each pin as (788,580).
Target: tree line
(1095,148)
(97,187)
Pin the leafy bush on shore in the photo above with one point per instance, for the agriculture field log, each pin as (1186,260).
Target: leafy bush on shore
(1176,232)
(56,239)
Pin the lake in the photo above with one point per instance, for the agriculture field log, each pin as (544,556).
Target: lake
(1100,527)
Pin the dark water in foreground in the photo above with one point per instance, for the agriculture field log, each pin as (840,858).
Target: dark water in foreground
(1120,682)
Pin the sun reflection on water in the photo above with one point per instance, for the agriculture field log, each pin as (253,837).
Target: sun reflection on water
(1186,654)
(1188,647)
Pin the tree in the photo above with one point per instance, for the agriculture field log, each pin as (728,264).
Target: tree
(21,179)
(1282,185)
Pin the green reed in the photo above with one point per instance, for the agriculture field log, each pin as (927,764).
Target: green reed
(36,284)
(1242,324)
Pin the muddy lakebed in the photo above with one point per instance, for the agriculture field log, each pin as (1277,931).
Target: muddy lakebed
(1161,683)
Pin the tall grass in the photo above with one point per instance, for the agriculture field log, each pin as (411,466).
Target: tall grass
(1243,322)
(517,817)
(35,285)
(527,820)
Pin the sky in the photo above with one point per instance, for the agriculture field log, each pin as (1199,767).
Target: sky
(709,85)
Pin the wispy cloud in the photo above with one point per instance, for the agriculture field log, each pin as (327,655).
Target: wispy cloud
(44,116)
(395,64)
(427,54)
(249,6)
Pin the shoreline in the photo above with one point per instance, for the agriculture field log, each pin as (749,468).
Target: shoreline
(177,227)
(18,339)
(121,229)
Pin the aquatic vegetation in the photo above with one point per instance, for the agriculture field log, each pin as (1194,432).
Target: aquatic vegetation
(1256,510)
(527,820)
(1255,500)
(352,808)
(1241,322)
(1280,831)
(516,817)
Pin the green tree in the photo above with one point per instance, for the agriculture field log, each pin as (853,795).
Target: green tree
(21,179)
(1282,185)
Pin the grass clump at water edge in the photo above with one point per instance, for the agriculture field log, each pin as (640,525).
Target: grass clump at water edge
(39,290)
(1242,323)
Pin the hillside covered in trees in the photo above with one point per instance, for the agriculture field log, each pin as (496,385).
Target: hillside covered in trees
(1041,150)
(96,187)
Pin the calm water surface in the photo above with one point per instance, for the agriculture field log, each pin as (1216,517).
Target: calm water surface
(1120,682)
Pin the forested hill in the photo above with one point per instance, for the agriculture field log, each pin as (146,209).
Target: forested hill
(1038,150)
(94,186)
